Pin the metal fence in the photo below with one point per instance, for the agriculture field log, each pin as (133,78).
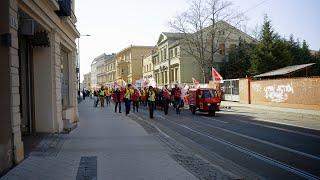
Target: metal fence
(231,90)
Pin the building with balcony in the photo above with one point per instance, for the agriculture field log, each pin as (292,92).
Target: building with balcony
(38,72)
(87,81)
(129,63)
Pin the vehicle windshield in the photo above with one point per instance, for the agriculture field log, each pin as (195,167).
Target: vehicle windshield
(208,94)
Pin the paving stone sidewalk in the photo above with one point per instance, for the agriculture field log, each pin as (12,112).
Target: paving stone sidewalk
(105,145)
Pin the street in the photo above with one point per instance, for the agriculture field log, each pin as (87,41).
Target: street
(273,151)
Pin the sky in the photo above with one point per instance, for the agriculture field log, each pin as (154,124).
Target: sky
(116,24)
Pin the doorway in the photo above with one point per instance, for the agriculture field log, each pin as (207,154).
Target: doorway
(26,86)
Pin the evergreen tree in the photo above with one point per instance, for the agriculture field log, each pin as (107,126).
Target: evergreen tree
(272,52)
(262,55)
(238,62)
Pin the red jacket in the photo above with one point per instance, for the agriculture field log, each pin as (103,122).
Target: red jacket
(135,96)
(116,95)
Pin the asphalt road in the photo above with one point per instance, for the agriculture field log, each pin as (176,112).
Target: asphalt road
(273,151)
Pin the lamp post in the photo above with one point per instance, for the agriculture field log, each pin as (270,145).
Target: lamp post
(79,90)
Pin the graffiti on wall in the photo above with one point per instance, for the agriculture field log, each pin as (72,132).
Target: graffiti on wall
(257,87)
(278,93)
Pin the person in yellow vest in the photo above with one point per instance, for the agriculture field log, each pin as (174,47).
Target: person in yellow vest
(108,95)
(151,101)
(101,96)
(128,97)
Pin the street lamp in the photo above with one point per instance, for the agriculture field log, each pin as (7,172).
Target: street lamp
(79,61)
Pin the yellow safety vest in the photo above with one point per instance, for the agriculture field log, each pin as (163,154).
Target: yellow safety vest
(101,93)
(152,96)
(128,94)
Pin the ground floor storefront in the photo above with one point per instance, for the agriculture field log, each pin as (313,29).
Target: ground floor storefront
(38,77)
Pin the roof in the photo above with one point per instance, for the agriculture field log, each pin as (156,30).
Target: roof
(170,35)
(285,71)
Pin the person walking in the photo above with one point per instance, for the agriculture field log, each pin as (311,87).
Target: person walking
(176,93)
(151,101)
(135,100)
(96,98)
(127,98)
(108,96)
(117,100)
(165,99)
(84,94)
(101,97)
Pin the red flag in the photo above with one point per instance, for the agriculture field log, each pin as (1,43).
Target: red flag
(216,76)
(196,83)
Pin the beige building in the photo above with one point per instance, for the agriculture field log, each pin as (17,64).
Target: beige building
(110,70)
(147,67)
(38,72)
(129,63)
(172,63)
(87,81)
(99,71)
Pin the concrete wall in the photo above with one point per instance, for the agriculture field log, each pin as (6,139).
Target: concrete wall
(301,93)
(11,146)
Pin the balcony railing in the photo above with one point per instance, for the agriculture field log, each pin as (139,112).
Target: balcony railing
(64,8)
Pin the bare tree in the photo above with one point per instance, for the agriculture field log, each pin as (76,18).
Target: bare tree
(206,25)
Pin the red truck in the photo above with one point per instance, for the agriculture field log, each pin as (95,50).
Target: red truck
(204,100)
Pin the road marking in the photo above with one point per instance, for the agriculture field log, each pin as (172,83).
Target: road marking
(282,129)
(216,120)
(261,157)
(265,142)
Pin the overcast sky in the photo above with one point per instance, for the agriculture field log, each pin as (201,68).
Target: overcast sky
(116,24)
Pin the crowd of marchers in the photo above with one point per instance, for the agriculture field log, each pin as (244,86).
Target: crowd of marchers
(152,97)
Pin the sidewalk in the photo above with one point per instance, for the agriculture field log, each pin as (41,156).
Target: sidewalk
(109,145)
(294,117)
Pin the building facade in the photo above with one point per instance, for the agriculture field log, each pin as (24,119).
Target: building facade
(129,63)
(37,72)
(147,67)
(172,63)
(110,70)
(87,81)
(98,70)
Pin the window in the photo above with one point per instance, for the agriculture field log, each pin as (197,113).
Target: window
(176,74)
(222,48)
(165,53)
(162,77)
(172,75)
(65,79)
(175,52)
(166,77)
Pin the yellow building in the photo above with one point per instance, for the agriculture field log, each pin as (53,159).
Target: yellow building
(147,67)
(129,63)
(38,72)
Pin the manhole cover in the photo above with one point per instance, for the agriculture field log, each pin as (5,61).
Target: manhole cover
(87,168)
